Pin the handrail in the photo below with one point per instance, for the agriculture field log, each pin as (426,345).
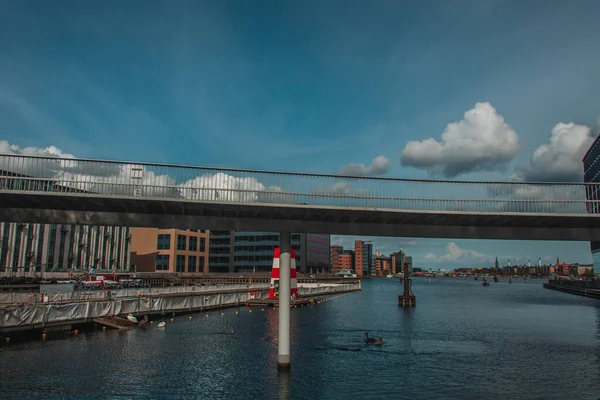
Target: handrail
(279,172)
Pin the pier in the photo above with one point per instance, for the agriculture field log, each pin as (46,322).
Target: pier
(587,288)
(67,309)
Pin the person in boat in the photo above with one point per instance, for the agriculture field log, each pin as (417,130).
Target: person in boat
(378,341)
(369,339)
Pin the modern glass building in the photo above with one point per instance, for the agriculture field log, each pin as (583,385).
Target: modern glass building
(253,251)
(31,249)
(591,173)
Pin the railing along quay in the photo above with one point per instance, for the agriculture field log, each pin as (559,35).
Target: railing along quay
(97,178)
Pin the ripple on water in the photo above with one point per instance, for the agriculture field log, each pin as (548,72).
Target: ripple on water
(462,341)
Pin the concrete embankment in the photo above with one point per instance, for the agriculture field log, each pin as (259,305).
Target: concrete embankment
(158,301)
(581,288)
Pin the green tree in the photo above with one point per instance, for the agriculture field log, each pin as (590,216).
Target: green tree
(386,272)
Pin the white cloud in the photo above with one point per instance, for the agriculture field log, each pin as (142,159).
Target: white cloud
(379,166)
(561,159)
(455,254)
(127,179)
(482,141)
(222,187)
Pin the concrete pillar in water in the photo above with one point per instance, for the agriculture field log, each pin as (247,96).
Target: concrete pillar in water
(285,244)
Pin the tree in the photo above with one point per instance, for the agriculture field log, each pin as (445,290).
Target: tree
(386,272)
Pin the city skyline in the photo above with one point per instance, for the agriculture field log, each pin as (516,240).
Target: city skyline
(448,254)
(396,90)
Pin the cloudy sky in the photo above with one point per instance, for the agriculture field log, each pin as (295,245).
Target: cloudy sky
(474,90)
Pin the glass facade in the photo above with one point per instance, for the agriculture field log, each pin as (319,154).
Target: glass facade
(181,242)
(220,251)
(318,254)
(191,264)
(193,245)
(180,263)
(253,251)
(591,173)
(162,262)
(164,242)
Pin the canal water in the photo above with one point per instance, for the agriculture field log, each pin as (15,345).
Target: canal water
(462,341)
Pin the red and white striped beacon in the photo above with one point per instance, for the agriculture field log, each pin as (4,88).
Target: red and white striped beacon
(274,287)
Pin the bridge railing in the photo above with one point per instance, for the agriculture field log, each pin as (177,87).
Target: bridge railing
(36,174)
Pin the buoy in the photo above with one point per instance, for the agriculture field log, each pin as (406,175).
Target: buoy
(190,317)
(103,328)
(236,312)
(222,313)
(171,319)
(262,309)
(7,340)
(250,310)
(206,315)
(75,332)
(151,322)
(43,336)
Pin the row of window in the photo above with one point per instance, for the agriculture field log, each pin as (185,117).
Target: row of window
(164,243)
(194,263)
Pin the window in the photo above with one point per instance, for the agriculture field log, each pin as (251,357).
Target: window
(164,242)
(181,239)
(192,263)
(201,264)
(180,264)
(193,243)
(202,244)
(162,262)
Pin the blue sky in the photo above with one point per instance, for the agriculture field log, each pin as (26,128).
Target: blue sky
(313,86)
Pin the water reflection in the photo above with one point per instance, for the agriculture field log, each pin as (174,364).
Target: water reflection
(283,384)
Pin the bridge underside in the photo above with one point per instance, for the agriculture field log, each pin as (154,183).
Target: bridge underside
(264,217)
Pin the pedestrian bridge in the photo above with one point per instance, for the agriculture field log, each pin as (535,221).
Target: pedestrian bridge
(82,191)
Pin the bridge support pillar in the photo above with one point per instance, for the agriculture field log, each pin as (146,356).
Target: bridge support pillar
(285,262)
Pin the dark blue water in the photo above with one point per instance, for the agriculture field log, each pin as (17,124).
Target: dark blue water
(462,341)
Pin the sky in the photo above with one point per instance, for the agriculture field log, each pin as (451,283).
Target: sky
(469,90)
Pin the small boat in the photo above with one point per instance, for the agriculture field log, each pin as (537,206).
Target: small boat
(495,279)
(132,318)
(161,324)
(390,276)
(369,339)
(227,332)
(378,341)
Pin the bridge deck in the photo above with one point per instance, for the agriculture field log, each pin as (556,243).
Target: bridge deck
(94,209)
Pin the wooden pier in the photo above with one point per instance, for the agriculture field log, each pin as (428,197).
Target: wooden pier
(275,302)
(116,322)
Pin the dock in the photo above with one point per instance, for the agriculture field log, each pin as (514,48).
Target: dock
(300,302)
(116,322)
(587,288)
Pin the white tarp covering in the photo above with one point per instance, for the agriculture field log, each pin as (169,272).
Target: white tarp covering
(37,315)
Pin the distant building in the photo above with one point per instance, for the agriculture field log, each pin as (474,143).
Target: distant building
(347,260)
(232,251)
(169,250)
(336,252)
(591,174)
(408,260)
(382,264)
(32,249)
(364,262)
(397,261)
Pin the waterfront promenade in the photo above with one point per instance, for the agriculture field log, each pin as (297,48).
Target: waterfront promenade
(27,311)
(585,288)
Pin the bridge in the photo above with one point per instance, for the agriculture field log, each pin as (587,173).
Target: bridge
(97,192)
